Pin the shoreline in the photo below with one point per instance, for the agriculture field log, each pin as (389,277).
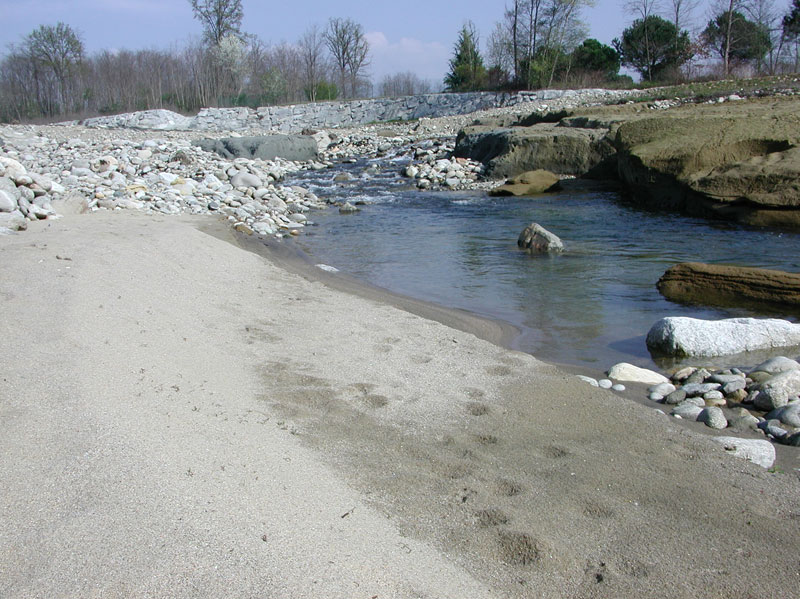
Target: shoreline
(497,332)
(196,399)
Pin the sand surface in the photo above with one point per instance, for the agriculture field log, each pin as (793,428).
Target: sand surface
(181,417)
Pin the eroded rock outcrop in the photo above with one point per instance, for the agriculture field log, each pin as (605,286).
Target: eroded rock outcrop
(737,161)
(507,152)
(528,183)
(717,284)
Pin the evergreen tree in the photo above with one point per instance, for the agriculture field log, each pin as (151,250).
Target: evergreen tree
(747,40)
(791,22)
(654,47)
(467,72)
(592,56)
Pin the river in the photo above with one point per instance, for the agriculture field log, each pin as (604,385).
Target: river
(590,306)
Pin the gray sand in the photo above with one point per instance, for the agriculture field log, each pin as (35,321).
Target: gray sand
(180,417)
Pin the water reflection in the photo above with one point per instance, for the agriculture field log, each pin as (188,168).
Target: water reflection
(591,305)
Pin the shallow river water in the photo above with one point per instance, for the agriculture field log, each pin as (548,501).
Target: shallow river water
(590,306)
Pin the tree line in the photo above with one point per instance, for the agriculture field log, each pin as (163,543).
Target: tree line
(50,75)
(536,44)
(542,43)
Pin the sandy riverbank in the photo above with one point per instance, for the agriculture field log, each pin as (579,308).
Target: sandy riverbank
(180,417)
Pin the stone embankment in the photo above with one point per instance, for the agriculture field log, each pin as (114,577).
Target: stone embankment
(325,115)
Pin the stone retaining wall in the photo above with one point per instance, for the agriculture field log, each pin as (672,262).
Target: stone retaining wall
(319,115)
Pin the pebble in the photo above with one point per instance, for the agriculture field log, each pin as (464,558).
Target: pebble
(605,384)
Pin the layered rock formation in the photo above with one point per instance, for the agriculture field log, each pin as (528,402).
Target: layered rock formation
(716,284)
(737,160)
(507,152)
(528,183)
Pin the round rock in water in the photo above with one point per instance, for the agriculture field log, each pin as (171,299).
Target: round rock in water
(605,384)
(535,238)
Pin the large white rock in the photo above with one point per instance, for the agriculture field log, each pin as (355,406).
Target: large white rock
(630,373)
(683,336)
(758,451)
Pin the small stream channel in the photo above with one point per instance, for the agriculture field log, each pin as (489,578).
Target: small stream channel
(590,306)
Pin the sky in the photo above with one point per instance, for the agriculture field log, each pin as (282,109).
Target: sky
(409,35)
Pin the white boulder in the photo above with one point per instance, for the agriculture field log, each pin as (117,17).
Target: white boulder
(684,336)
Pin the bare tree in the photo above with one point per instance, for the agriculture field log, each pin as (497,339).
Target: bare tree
(312,45)
(350,51)
(220,18)
(765,14)
(404,84)
(56,53)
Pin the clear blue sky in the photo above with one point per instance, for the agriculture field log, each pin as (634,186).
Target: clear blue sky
(410,35)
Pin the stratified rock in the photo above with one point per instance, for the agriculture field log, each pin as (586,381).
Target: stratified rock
(682,336)
(509,151)
(715,284)
(758,451)
(266,147)
(535,238)
(528,184)
(633,374)
(737,161)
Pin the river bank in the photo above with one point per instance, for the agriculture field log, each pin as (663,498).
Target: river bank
(190,418)
(201,420)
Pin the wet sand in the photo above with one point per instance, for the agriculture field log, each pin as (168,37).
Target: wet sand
(181,417)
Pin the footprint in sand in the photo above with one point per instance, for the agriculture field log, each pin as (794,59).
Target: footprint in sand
(475,408)
(508,488)
(491,517)
(518,548)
